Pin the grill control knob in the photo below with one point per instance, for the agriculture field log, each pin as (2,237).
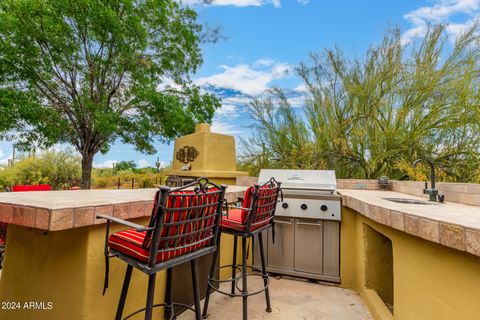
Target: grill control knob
(323,207)
(284,205)
(304,206)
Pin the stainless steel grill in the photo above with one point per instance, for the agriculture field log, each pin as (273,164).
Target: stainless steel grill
(307,225)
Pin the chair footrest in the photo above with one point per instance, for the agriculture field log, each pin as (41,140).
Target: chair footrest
(254,273)
(161,305)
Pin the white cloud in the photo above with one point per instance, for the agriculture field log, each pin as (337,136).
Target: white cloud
(303,2)
(441,12)
(228,111)
(236,100)
(265,62)
(234,3)
(105,164)
(250,80)
(225,128)
(1,153)
(143,163)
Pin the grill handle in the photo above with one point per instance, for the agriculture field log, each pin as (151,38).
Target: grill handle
(283,222)
(310,224)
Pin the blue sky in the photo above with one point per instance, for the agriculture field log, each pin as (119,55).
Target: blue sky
(266,39)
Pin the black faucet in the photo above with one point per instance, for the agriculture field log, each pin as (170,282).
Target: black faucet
(432,192)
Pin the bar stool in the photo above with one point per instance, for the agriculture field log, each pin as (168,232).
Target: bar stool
(256,215)
(183,227)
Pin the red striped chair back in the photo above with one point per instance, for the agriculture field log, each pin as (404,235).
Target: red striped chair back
(185,219)
(260,203)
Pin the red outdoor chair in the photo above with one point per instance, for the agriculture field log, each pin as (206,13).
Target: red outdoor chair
(256,215)
(39,187)
(3,226)
(183,227)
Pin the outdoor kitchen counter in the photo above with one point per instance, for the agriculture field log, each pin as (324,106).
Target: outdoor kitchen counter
(54,253)
(411,261)
(61,210)
(451,224)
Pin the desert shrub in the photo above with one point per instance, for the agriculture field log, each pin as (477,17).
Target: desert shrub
(106,179)
(60,169)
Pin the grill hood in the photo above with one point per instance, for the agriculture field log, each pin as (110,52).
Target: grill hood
(321,180)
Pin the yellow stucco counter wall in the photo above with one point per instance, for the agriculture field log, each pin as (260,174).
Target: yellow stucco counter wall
(51,274)
(66,269)
(427,280)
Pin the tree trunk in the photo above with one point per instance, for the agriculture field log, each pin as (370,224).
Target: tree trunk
(87,164)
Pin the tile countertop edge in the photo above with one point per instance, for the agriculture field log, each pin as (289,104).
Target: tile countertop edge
(462,237)
(65,217)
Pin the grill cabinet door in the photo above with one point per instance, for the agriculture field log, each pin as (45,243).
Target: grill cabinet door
(309,246)
(280,254)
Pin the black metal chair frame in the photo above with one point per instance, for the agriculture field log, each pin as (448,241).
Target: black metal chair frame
(202,187)
(3,235)
(246,234)
(2,255)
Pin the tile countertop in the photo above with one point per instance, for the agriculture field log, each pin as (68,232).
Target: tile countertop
(61,210)
(451,224)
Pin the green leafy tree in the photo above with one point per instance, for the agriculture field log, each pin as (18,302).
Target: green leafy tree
(125,165)
(91,72)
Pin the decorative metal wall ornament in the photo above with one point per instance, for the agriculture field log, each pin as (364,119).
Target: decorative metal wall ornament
(187,154)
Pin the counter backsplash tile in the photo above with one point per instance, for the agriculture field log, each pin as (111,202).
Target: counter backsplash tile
(121,211)
(61,219)
(411,224)
(103,210)
(465,193)
(397,221)
(6,213)
(43,219)
(83,216)
(429,230)
(452,236)
(137,209)
(473,241)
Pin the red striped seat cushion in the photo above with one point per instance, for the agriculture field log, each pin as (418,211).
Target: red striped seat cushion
(234,221)
(129,242)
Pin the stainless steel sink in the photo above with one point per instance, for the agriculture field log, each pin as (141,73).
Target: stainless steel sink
(408,201)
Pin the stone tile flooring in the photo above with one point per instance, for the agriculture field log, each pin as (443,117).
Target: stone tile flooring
(291,299)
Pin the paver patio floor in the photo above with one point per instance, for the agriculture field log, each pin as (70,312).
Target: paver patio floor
(291,299)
